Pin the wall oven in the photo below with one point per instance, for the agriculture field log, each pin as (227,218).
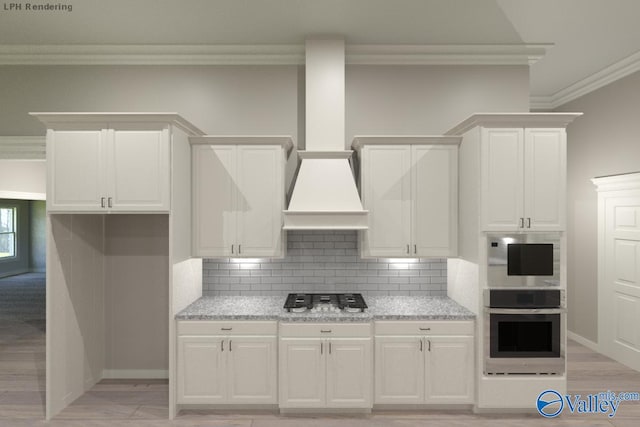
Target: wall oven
(524,332)
(523,260)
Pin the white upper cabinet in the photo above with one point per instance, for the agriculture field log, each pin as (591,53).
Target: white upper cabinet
(520,160)
(523,179)
(411,192)
(238,196)
(110,162)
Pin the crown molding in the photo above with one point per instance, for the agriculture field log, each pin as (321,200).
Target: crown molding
(518,54)
(610,74)
(22,147)
(625,181)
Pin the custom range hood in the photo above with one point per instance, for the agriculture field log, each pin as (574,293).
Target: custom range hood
(324,195)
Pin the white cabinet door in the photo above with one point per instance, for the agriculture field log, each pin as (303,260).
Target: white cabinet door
(545,179)
(252,369)
(138,170)
(76,170)
(349,373)
(302,373)
(214,200)
(399,370)
(260,200)
(449,369)
(387,196)
(201,371)
(434,183)
(502,179)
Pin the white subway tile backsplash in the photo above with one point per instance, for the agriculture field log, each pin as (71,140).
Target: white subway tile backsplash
(324,261)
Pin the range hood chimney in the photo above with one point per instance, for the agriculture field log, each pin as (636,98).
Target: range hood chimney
(324,195)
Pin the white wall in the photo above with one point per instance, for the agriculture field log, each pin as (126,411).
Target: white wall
(409,100)
(22,179)
(602,142)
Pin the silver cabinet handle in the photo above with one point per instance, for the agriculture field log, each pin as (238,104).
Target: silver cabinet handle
(408,249)
(528,222)
(239,249)
(226,329)
(222,345)
(231,248)
(320,347)
(415,249)
(102,199)
(420,344)
(110,202)
(325,331)
(425,329)
(329,347)
(429,341)
(521,222)
(229,345)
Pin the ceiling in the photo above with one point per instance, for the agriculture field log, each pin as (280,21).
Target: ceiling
(594,41)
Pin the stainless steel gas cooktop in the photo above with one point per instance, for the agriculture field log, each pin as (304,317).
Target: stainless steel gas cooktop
(299,303)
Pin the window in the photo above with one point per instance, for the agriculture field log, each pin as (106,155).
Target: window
(7,232)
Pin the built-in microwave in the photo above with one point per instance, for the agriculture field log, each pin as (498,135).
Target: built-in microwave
(523,260)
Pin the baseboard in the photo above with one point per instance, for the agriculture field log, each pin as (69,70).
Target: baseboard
(38,270)
(584,341)
(135,374)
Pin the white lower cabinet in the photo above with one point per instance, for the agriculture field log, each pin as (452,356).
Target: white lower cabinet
(325,366)
(414,364)
(226,368)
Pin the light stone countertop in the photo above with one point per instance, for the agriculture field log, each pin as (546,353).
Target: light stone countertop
(380,308)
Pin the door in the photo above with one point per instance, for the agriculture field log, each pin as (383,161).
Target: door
(138,170)
(502,179)
(302,373)
(260,203)
(399,370)
(619,288)
(76,170)
(349,373)
(214,200)
(545,179)
(449,370)
(201,370)
(434,183)
(252,370)
(387,196)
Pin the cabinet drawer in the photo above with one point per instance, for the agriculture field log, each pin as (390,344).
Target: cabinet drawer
(440,327)
(207,327)
(325,330)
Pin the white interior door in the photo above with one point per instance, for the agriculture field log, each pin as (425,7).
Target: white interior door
(619,291)
(387,195)
(545,179)
(349,373)
(434,182)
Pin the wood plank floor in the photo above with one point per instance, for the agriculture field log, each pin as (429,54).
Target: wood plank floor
(144,403)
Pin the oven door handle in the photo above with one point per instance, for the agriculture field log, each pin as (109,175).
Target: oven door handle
(526,310)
